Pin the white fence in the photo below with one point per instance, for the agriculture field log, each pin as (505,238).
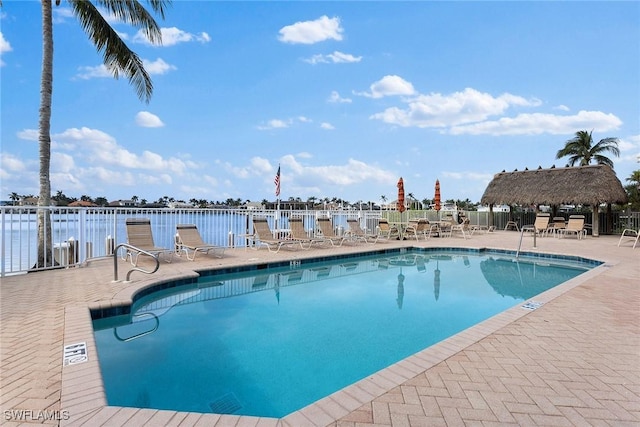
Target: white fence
(79,234)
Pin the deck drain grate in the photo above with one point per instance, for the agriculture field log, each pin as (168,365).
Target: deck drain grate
(225,404)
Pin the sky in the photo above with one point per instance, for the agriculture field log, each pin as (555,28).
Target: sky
(347,97)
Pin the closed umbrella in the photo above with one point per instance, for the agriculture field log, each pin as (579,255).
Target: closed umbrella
(436,198)
(400,206)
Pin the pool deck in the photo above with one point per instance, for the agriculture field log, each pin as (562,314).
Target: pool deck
(573,361)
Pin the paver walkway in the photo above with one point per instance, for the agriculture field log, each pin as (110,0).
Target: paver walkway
(573,361)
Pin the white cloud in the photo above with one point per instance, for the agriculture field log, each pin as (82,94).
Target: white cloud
(5,46)
(99,148)
(389,86)
(336,98)
(309,32)
(172,36)
(28,134)
(539,123)
(327,126)
(157,67)
(335,57)
(10,164)
(282,124)
(148,120)
(561,108)
(275,124)
(353,172)
(437,110)
(99,71)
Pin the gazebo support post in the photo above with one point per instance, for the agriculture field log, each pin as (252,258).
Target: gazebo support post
(595,226)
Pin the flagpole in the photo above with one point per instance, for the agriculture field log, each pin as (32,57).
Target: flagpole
(277,183)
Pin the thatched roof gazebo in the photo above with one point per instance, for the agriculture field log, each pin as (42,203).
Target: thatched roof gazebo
(584,185)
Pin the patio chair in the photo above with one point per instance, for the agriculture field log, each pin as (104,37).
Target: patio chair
(463,228)
(557,224)
(188,238)
(417,228)
(140,237)
(328,234)
(262,235)
(386,230)
(575,225)
(630,234)
(300,234)
(541,224)
(357,233)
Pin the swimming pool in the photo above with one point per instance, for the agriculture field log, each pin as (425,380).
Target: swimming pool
(269,341)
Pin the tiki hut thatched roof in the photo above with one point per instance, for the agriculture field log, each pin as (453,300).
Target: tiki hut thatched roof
(583,185)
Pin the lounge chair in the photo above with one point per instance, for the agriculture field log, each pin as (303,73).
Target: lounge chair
(262,235)
(463,228)
(300,234)
(140,236)
(630,234)
(328,234)
(541,225)
(557,224)
(357,233)
(188,238)
(386,230)
(575,225)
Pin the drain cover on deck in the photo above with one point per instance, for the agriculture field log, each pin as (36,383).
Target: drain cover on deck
(225,404)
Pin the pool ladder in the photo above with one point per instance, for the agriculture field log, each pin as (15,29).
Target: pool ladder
(135,268)
(522,230)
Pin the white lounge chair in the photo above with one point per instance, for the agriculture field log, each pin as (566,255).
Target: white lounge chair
(630,234)
(140,236)
(188,239)
(328,234)
(262,235)
(357,233)
(575,225)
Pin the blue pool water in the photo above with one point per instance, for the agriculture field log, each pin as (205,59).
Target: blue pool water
(271,341)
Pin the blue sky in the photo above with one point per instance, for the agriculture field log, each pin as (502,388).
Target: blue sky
(346,96)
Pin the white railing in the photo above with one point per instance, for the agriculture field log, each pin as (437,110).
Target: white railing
(79,234)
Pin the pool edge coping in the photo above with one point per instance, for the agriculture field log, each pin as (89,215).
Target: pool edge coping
(83,393)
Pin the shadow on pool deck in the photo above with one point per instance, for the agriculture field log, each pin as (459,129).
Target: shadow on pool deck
(573,361)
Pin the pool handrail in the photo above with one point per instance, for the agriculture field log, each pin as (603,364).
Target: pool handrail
(136,268)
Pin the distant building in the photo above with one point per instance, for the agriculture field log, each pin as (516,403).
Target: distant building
(498,208)
(82,204)
(123,203)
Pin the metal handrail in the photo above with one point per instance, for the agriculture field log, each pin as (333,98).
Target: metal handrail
(136,268)
(141,334)
(522,230)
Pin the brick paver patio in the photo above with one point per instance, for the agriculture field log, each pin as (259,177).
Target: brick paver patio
(574,361)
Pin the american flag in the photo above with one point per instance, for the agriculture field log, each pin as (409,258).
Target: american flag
(276,181)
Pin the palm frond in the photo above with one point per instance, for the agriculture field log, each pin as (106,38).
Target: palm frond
(117,56)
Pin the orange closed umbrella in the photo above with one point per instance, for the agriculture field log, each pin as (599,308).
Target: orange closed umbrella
(400,206)
(436,198)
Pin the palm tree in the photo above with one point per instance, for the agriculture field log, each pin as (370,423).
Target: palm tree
(581,150)
(14,197)
(118,58)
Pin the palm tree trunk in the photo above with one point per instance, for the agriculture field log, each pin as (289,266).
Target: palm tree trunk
(45,254)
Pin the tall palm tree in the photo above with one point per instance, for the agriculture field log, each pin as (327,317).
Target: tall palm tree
(118,58)
(582,151)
